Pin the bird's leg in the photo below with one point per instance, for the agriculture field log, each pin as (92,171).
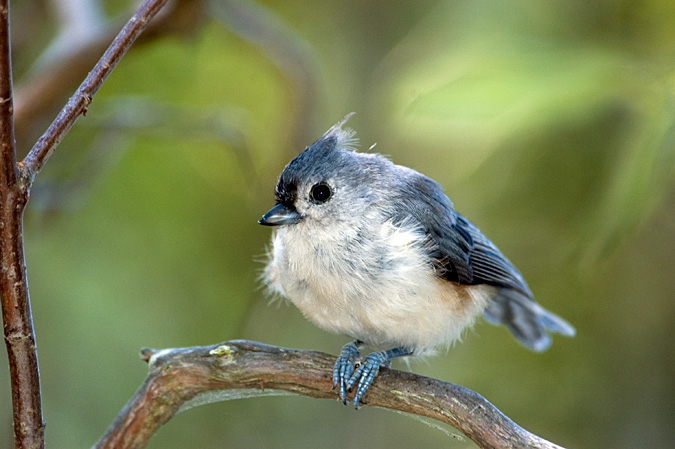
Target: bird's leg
(366,372)
(344,367)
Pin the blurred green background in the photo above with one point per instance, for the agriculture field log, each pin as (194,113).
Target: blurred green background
(550,124)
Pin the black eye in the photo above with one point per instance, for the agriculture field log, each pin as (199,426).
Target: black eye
(320,192)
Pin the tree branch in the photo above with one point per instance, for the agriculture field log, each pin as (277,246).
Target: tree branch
(184,377)
(15,182)
(7,150)
(78,103)
(16,313)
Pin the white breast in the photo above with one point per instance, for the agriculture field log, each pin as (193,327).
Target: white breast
(378,288)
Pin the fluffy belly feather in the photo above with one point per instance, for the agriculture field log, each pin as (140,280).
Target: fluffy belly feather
(384,301)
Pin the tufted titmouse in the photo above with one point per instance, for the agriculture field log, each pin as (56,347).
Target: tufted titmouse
(376,251)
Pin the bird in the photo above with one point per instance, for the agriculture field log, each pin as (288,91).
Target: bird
(376,251)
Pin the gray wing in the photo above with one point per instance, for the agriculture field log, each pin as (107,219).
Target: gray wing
(488,264)
(462,254)
(458,249)
(514,305)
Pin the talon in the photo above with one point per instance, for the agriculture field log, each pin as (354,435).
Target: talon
(343,370)
(369,371)
(350,369)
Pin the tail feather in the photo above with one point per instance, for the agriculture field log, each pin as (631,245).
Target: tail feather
(526,320)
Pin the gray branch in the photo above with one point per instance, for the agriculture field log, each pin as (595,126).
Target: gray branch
(186,377)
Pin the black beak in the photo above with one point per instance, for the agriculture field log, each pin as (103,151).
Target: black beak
(279,215)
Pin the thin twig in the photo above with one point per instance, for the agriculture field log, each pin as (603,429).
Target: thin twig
(78,103)
(6,103)
(52,78)
(15,182)
(16,314)
(193,376)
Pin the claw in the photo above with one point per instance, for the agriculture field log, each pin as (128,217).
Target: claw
(344,368)
(365,375)
(348,371)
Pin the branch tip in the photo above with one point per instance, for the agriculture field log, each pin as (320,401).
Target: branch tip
(146,354)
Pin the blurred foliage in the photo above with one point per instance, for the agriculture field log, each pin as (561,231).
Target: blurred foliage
(551,125)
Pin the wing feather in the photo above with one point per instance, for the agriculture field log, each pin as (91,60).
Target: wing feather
(462,254)
(458,249)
